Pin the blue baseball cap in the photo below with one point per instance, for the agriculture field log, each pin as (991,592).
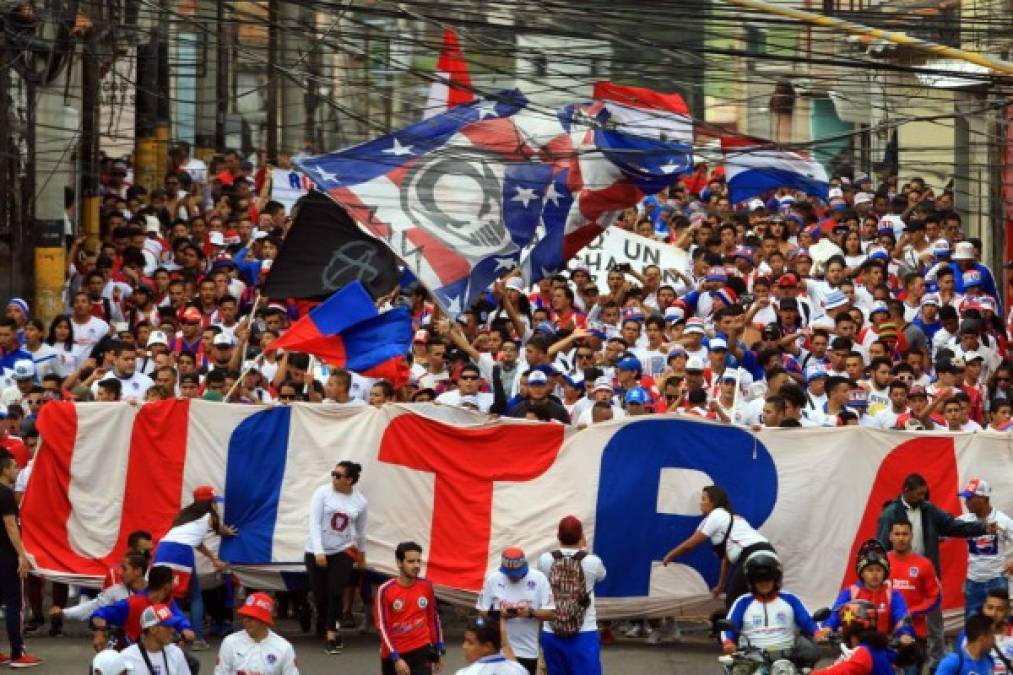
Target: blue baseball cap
(630,363)
(636,396)
(513,563)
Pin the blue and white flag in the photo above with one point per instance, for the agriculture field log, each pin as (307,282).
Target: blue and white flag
(754,167)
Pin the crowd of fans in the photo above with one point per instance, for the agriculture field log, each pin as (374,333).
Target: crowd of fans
(872,309)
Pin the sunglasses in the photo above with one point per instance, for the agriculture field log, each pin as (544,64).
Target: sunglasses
(469,377)
(670,397)
(286,397)
(337,474)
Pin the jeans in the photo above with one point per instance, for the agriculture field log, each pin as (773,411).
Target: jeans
(196,606)
(975,593)
(12,588)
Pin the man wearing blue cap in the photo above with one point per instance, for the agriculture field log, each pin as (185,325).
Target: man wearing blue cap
(637,401)
(523,597)
(539,395)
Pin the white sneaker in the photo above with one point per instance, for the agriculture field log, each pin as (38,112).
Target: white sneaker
(671,632)
(655,637)
(634,631)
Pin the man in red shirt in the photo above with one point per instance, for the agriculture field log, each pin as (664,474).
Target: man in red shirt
(914,577)
(411,637)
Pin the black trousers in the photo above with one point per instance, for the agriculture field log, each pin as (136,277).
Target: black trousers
(531,665)
(736,584)
(328,583)
(12,588)
(417,660)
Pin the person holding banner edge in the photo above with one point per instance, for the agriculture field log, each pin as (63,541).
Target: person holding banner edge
(731,537)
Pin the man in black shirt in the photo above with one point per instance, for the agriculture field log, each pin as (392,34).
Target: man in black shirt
(13,566)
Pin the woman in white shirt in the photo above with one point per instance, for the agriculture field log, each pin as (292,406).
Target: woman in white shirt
(175,550)
(335,545)
(732,538)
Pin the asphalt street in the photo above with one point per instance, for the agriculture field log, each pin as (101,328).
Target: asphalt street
(72,653)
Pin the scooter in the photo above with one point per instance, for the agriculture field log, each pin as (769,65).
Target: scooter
(749,659)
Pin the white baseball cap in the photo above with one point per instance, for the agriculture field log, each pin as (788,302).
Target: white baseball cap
(157,337)
(603,383)
(24,369)
(963,251)
(216,238)
(110,662)
(694,363)
(222,339)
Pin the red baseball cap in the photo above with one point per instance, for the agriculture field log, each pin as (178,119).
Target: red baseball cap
(787,281)
(258,606)
(191,314)
(206,493)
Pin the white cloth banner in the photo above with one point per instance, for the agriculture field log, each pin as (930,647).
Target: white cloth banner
(465,487)
(616,246)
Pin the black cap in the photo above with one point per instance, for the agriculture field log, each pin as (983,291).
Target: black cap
(788,303)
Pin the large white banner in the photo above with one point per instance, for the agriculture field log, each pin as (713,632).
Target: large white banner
(466,487)
(617,246)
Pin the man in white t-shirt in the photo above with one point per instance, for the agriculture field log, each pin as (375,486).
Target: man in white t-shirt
(468,383)
(256,648)
(88,329)
(154,653)
(990,556)
(523,596)
(581,652)
(338,389)
(133,384)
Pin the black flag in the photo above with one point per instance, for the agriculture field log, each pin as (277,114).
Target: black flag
(325,251)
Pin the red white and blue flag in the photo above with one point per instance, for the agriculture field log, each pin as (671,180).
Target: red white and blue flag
(754,167)
(459,197)
(452,85)
(347,331)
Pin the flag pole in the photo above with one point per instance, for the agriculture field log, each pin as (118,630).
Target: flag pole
(249,321)
(242,373)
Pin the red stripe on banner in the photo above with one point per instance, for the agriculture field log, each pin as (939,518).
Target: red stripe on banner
(462,504)
(935,459)
(46,506)
(151,496)
(155,470)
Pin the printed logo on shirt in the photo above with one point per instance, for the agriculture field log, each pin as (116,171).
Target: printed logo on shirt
(339,522)
(397,605)
(531,583)
(912,572)
(781,618)
(984,545)
(271,658)
(423,603)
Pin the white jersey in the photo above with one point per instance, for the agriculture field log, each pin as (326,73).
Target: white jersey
(987,554)
(169,661)
(497,664)
(769,624)
(453,397)
(132,388)
(594,571)
(242,655)
(499,592)
(741,536)
(337,521)
(45,360)
(87,335)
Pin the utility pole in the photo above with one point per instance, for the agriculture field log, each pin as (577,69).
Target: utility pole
(208,79)
(222,93)
(293,66)
(163,103)
(146,111)
(272,78)
(52,147)
(88,143)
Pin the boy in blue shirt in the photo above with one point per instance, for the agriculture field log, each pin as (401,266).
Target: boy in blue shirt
(974,656)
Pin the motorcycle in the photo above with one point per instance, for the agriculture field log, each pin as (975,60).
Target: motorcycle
(749,659)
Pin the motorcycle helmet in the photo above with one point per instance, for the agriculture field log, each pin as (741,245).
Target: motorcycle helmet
(858,615)
(872,553)
(763,566)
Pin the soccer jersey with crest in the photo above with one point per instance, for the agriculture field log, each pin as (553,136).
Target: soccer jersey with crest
(242,655)
(406,617)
